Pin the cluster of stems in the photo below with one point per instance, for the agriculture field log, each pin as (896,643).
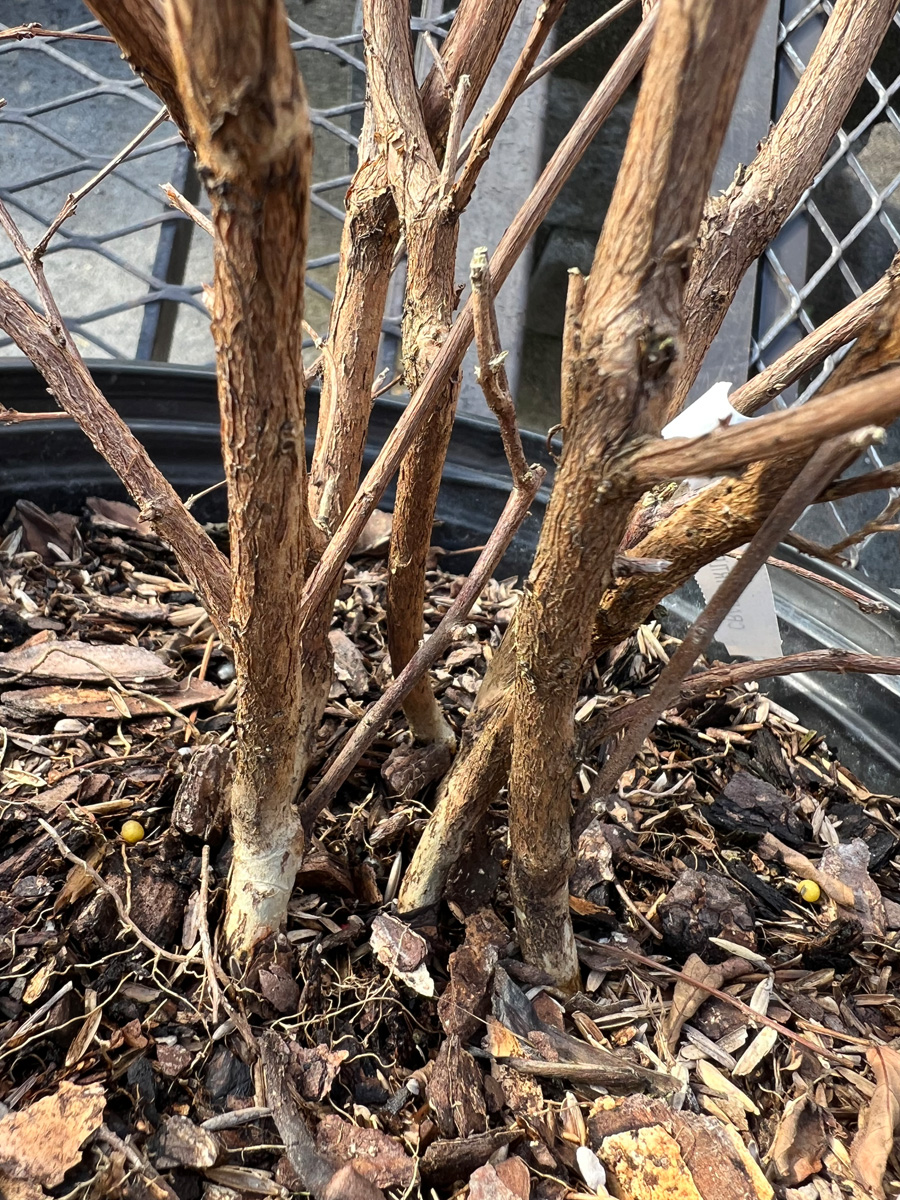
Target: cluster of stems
(667,265)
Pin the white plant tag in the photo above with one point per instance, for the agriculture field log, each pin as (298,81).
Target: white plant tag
(751,628)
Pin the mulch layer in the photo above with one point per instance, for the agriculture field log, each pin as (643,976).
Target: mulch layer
(736,906)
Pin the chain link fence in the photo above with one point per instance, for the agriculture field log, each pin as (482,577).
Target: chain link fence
(839,241)
(126,268)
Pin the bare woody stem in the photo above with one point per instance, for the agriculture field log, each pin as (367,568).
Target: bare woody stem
(370,236)
(630,326)
(70,207)
(738,226)
(491,371)
(183,205)
(874,400)
(815,475)
(47,343)
(857,317)
(872,481)
(483,137)
(727,675)
(481,766)
(449,358)
(552,61)
(514,512)
(255,157)
(417,186)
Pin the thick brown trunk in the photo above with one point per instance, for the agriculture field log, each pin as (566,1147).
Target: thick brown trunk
(247,111)
(738,226)
(630,326)
(479,771)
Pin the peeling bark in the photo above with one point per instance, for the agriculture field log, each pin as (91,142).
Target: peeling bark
(739,225)
(247,111)
(630,325)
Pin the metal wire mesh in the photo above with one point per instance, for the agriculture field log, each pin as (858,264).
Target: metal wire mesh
(839,241)
(126,268)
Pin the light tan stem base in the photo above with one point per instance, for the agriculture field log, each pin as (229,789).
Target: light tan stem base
(259,889)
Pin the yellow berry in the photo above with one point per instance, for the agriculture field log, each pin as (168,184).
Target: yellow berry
(809,891)
(133,831)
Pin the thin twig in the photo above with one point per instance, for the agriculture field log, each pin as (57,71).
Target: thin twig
(213,487)
(184,205)
(808,484)
(726,675)
(448,359)
(24,33)
(454,133)
(203,933)
(70,207)
(816,346)
(879,524)
(9,416)
(491,371)
(872,481)
(580,39)
(863,603)
(429,652)
(101,883)
(478,146)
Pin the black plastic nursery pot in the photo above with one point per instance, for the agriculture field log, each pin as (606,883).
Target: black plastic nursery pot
(174,412)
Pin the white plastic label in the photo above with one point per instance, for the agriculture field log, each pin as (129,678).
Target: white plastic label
(751,628)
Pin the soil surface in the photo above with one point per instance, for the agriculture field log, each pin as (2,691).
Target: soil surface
(736,904)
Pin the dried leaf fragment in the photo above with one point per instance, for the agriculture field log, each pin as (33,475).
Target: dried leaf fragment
(687,998)
(799,1143)
(84,660)
(880,1119)
(43,1141)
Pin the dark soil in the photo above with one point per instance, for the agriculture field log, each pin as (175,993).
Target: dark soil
(425,1052)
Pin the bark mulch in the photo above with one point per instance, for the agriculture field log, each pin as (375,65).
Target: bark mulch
(736,904)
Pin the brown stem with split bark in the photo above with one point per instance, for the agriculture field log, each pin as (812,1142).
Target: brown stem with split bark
(819,471)
(370,237)
(48,344)
(246,107)
(416,185)
(630,323)
(739,225)
(450,356)
(481,765)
